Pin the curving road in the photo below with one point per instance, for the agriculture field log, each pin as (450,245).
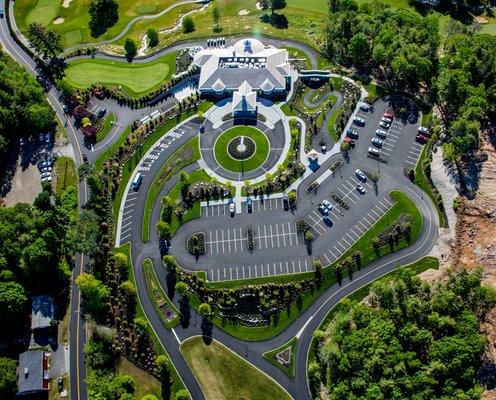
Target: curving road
(302,327)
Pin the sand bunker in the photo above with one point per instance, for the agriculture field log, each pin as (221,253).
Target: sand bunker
(259,7)
(244,12)
(66,3)
(481,20)
(58,21)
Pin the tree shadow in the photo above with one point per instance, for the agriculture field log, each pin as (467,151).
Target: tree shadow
(207,329)
(279,21)
(185,312)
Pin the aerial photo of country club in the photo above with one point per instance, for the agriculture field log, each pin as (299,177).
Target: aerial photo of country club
(248,199)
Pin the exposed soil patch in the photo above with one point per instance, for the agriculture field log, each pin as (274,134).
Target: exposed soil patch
(481,20)
(25,185)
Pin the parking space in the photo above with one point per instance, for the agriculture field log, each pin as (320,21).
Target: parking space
(260,270)
(215,210)
(260,205)
(346,240)
(127,215)
(413,154)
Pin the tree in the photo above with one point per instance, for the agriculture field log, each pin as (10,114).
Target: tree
(184,182)
(182,288)
(8,378)
(84,237)
(276,5)
(13,302)
(94,291)
(188,24)
(152,35)
(46,41)
(167,209)
(40,116)
(149,397)
(183,394)
(205,310)
(216,19)
(163,230)
(103,15)
(357,255)
(130,48)
(162,367)
(359,49)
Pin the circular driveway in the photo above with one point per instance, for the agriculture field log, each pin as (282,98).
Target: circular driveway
(276,140)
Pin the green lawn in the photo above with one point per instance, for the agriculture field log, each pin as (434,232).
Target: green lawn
(65,173)
(158,296)
(402,205)
(297,53)
(144,382)
(107,126)
(255,161)
(44,12)
(335,135)
(135,79)
(270,357)
(177,159)
(223,375)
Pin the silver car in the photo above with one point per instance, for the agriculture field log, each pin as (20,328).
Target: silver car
(377,142)
(382,134)
(373,152)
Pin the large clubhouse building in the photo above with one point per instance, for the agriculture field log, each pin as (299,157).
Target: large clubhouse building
(244,70)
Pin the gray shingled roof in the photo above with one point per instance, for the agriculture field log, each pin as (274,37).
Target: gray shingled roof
(30,379)
(234,77)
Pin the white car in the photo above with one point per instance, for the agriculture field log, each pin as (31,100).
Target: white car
(231,208)
(360,189)
(327,204)
(364,106)
(424,131)
(359,121)
(46,179)
(386,119)
(45,174)
(359,173)
(384,125)
(373,152)
(382,134)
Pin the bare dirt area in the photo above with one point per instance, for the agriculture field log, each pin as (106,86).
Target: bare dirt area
(25,184)
(475,246)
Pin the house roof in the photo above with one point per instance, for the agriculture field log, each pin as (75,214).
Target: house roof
(42,312)
(31,371)
(244,101)
(218,85)
(267,85)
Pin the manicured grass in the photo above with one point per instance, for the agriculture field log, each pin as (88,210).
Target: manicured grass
(421,182)
(144,382)
(177,382)
(107,126)
(158,296)
(297,53)
(223,375)
(270,356)
(310,5)
(177,159)
(335,135)
(280,322)
(65,172)
(44,12)
(135,79)
(255,161)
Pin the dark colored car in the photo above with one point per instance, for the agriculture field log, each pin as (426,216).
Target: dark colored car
(249,205)
(352,133)
(327,220)
(285,203)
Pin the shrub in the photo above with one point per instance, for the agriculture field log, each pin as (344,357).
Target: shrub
(188,24)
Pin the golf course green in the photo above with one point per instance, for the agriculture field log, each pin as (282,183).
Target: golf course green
(135,79)
(253,160)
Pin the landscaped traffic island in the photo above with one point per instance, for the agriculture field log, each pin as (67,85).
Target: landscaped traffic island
(223,375)
(241,149)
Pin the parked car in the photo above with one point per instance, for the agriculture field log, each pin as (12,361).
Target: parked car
(389,114)
(350,141)
(382,134)
(327,220)
(377,142)
(2,13)
(48,138)
(364,106)
(386,119)
(384,125)
(65,109)
(45,174)
(373,152)
(360,175)
(352,133)
(85,157)
(358,121)
(327,204)
(102,112)
(231,208)
(285,203)
(322,209)
(420,137)
(46,179)
(46,169)
(323,149)
(425,131)
(360,189)
(249,205)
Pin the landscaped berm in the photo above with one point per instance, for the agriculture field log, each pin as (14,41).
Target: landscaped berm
(223,375)
(241,149)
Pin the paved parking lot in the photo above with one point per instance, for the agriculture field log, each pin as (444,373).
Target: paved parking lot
(265,236)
